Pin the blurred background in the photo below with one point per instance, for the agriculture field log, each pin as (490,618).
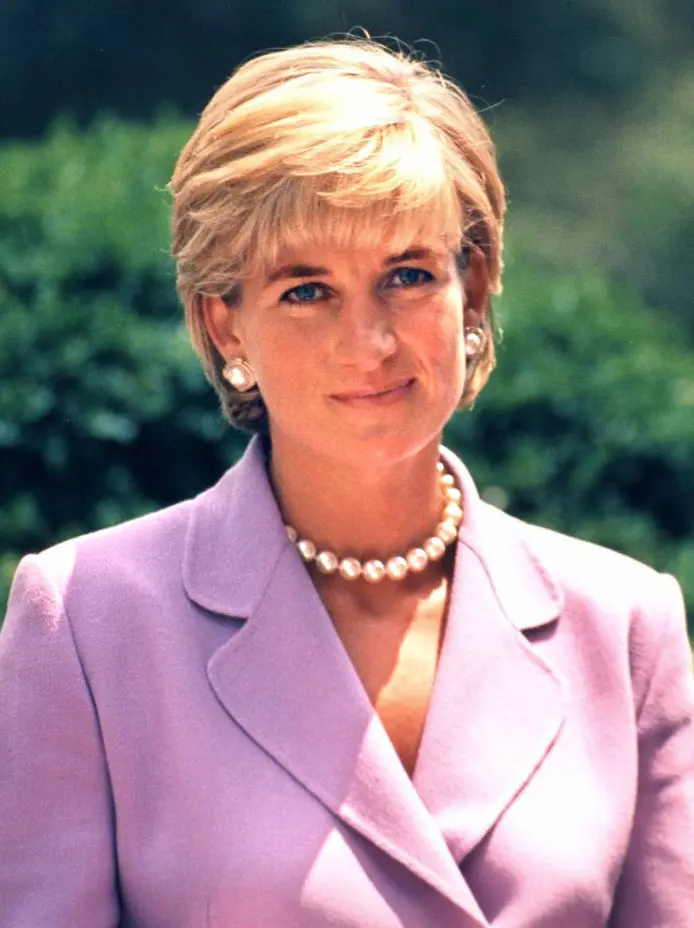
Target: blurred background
(588,423)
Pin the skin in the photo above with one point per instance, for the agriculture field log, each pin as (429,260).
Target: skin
(357,474)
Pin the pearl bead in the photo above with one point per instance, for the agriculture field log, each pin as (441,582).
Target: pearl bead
(434,548)
(396,568)
(447,532)
(453,513)
(307,549)
(238,378)
(350,568)
(473,343)
(327,562)
(417,559)
(374,571)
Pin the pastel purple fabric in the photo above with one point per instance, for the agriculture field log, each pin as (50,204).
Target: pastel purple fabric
(184,742)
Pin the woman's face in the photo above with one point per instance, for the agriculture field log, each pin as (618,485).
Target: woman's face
(359,355)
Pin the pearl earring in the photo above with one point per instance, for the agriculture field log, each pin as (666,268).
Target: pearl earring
(474,339)
(239,373)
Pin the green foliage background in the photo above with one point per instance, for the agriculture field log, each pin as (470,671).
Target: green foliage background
(587,425)
(591,101)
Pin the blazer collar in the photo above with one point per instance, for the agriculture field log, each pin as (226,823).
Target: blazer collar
(496,708)
(236,537)
(525,589)
(320,725)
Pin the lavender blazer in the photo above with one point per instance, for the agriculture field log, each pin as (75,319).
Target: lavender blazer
(185,743)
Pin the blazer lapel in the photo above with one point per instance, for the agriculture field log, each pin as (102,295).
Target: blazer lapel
(496,709)
(285,678)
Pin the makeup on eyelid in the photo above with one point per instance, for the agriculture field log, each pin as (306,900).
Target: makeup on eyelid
(422,275)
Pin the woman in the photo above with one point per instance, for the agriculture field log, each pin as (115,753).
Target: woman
(337,688)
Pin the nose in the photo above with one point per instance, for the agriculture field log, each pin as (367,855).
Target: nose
(365,334)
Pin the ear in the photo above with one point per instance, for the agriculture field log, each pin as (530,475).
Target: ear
(224,326)
(476,285)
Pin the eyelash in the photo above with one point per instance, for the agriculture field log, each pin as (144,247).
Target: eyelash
(424,277)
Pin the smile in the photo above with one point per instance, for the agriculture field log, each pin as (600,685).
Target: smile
(376,396)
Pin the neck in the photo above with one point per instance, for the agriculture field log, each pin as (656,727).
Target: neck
(364,510)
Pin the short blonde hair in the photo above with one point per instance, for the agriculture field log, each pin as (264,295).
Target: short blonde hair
(337,142)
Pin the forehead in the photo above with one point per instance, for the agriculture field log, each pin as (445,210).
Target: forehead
(308,222)
(307,256)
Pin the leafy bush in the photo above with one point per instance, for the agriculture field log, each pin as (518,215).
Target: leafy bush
(104,412)
(586,426)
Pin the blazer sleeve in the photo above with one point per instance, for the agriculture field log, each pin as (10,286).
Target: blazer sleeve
(57,856)
(656,888)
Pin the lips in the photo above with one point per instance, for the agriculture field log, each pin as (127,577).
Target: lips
(374,391)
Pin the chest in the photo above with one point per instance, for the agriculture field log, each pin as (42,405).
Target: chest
(396,659)
(214,768)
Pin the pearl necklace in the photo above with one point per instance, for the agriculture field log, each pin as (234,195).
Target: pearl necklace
(398,566)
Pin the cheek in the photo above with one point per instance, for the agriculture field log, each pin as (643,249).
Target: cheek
(443,339)
(444,357)
(285,365)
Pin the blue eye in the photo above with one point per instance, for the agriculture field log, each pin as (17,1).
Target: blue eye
(304,293)
(409,277)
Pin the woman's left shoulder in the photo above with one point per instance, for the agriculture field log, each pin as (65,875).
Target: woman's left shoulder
(605,591)
(588,569)
(616,610)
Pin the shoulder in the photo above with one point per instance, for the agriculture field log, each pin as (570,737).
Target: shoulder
(591,572)
(140,549)
(96,583)
(133,562)
(214,551)
(615,602)
(586,582)
(582,569)
(144,543)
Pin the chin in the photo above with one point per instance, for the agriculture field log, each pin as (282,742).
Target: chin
(364,441)
(380,447)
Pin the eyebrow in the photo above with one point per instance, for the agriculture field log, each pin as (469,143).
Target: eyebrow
(296,271)
(410,254)
(292,271)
